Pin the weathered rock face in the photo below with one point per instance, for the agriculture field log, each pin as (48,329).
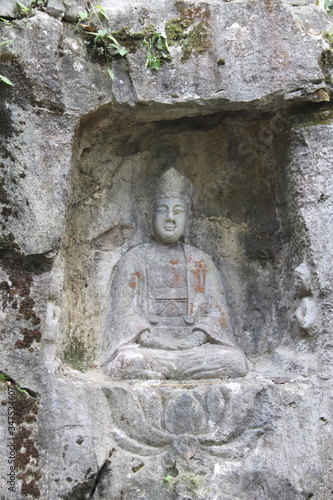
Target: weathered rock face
(244,103)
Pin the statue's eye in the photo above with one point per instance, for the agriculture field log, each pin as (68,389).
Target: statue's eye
(161,210)
(178,210)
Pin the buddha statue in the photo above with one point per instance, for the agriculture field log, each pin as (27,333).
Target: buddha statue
(168,317)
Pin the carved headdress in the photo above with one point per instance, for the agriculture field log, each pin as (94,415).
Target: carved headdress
(172,183)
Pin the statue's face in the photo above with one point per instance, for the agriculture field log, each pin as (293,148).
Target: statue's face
(169,219)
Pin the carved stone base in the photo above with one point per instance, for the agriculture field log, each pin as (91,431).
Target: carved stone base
(206,361)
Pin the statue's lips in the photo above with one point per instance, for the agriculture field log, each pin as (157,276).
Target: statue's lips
(169,227)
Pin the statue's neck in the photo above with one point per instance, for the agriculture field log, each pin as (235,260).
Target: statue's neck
(167,248)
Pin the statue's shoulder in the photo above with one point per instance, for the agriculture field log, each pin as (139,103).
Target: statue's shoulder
(134,256)
(137,250)
(195,254)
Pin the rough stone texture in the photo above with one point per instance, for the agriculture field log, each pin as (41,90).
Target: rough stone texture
(77,153)
(8,8)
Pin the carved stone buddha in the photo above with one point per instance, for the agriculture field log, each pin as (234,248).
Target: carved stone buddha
(168,317)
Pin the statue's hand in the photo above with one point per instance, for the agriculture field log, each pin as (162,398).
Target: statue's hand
(154,341)
(195,339)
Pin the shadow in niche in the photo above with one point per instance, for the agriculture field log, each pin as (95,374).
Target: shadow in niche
(240,216)
(87,489)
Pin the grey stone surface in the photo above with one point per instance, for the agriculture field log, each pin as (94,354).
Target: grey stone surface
(238,31)
(72,9)
(8,8)
(56,8)
(167,315)
(77,151)
(313,201)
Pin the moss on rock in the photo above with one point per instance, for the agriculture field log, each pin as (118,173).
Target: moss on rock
(175,30)
(197,41)
(193,40)
(132,41)
(75,354)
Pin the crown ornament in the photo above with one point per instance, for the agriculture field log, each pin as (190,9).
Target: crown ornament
(172,183)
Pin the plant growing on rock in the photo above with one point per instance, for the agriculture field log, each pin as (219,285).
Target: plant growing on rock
(4,22)
(29,9)
(157,50)
(9,381)
(328,6)
(328,36)
(185,482)
(90,23)
(192,38)
(3,78)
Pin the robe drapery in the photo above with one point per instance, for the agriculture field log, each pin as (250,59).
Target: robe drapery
(177,297)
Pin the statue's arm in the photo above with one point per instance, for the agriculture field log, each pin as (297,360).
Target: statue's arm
(124,319)
(213,319)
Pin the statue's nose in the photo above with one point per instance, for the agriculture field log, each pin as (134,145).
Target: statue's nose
(170,217)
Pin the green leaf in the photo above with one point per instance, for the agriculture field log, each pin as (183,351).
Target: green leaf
(112,46)
(112,38)
(102,33)
(4,21)
(102,11)
(23,390)
(5,42)
(110,73)
(22,6)
(156,64)
(83,14)
(97,38)
(328,6)
(159,43)
(122,52)
(5,80)
(157,50)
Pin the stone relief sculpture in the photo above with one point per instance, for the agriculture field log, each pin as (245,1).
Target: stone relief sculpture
(165,436)
(306,312)
(167,317)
